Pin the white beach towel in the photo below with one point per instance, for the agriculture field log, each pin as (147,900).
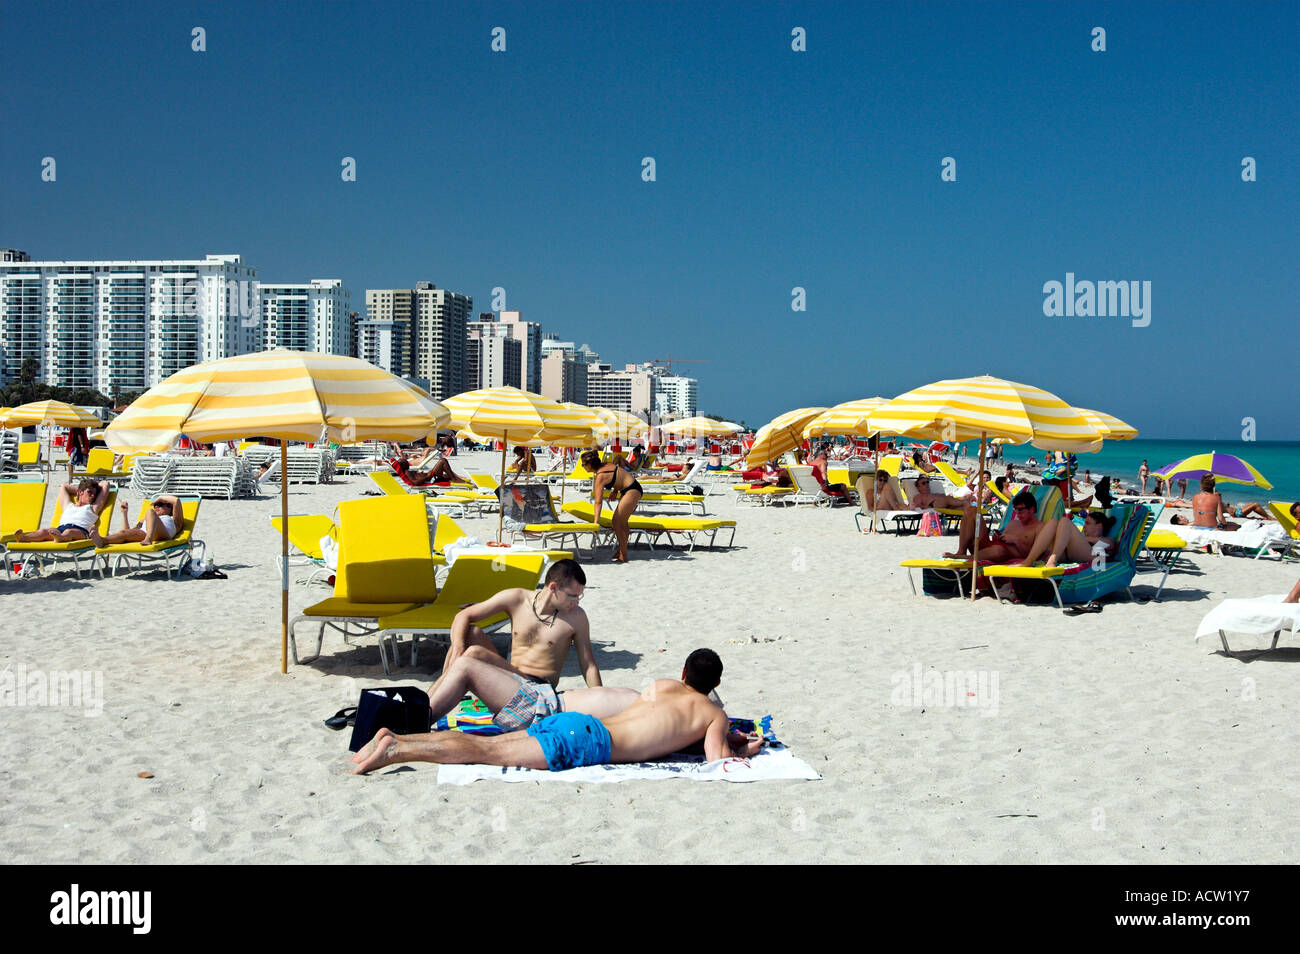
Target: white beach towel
(769,765)
(1252,535)
(1261,616)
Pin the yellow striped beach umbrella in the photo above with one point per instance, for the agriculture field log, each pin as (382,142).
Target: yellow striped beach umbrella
(289,395)
(851,417)
(961,409)
(700,427)
(782,433)
(50,413)
(1112,428)
(622,425)
(516,417)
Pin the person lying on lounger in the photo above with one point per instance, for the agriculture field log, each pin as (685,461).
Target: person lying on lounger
(82,505)
(1061,539)
(440,472)
(159,524)
(1003,546)
(543,625)
(667,717)
(923,499)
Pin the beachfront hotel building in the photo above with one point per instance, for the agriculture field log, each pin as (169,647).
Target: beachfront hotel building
(564,379)
(315,316)
(676,397)
(125,325)
(493,358)
(627,390)
(420,334)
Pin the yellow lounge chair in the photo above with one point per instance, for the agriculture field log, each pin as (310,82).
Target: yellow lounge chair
(305,533)
(654,527)
(54,552)
(392,487)
(29,454)
(1281,510)
(22,505)
(1050,507)
(555,528)
(473,578)
(99,466)
(1080,583)
(180,546)
(385,568)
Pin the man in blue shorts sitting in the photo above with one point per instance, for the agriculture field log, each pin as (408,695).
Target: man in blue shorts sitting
(667,717)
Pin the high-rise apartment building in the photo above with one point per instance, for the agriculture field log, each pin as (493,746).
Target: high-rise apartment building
(676,397)
(627,390)
(123,324)
(438,339)
(315,316)
(564,379)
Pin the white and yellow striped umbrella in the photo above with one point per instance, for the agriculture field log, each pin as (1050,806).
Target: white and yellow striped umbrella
(962,409)
(782,433)
(55,413)
(288,395)
(1112,428)
(622,425)
(514,415)
(700,427)
(847,418)
(598,431)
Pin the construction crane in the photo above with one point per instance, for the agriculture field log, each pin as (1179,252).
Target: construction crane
(667,362)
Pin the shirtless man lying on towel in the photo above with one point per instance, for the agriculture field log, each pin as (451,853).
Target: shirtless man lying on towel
(667,717)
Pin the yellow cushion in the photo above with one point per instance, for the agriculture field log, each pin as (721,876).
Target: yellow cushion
(384,553)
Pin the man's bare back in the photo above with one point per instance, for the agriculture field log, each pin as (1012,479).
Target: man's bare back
(668,717)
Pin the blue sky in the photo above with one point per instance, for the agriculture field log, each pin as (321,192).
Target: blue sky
(774,169)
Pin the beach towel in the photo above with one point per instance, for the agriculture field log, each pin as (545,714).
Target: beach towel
(1261,616)
(774,762)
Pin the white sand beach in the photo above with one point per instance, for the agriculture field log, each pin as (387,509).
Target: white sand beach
(1112,738)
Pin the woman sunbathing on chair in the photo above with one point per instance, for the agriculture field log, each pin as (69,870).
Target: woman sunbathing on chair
(440,472)
(159,524)
(1064,540)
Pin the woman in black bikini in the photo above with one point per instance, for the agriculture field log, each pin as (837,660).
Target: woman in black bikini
(617,480)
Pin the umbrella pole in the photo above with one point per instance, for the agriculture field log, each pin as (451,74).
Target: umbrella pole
(975,552)
(284,557)
(501,510)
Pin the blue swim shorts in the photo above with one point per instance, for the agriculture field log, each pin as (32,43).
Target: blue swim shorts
(571,739)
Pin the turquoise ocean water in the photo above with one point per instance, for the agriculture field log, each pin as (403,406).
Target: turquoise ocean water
(1279,461)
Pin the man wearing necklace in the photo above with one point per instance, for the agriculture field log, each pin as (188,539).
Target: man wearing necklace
(543,625)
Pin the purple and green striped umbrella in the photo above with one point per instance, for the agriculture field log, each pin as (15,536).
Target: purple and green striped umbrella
(1222,466)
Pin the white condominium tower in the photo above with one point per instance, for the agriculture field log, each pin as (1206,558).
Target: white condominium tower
(307,317)
(123,324)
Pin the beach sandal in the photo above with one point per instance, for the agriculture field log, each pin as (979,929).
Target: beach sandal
(343,718)
(1092,606)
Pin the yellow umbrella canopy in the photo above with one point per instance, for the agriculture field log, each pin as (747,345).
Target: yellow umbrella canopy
(597,431)
(847,418)
(1112,428)
(700,427)
(782,433)
(512,415)
(289,395)
(55,413)
(960,409)
(622,425)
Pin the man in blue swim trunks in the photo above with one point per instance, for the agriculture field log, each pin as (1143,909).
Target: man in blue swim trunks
(667,717)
